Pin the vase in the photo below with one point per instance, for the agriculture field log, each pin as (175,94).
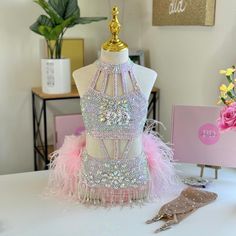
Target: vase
(56,76)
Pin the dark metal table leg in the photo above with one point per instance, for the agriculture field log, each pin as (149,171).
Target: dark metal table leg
(158,105)
(154,105)
(34,131)
(45,135)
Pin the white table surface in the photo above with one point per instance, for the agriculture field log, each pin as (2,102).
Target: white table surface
(24,211)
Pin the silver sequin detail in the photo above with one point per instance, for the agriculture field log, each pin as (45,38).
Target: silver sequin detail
(116,174)
(114,112)
(102,113)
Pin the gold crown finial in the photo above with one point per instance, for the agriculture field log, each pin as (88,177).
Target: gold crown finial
(114,44)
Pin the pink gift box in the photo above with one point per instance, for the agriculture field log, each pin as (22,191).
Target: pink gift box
(196,138)
(67,125)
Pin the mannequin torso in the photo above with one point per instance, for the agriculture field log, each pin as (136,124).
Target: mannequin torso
(117,160)
(145,78)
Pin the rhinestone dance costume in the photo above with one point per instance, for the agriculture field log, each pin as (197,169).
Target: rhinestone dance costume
(116,178)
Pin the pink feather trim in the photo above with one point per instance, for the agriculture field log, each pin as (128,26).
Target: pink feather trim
(65,169)
(163,178)
(65,165)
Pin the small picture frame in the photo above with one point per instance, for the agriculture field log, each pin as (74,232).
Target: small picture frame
(137,56)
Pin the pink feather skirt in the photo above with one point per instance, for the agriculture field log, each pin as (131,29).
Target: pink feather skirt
(65,174)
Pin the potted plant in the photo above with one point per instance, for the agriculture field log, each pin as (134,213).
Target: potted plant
(60,16)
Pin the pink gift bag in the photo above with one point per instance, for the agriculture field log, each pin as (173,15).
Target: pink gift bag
(67,125)
(196,138)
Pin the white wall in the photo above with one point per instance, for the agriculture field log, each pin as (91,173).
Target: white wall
(20,55)
(188,58)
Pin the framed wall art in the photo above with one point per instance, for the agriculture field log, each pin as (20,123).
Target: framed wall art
(137,56)
(184,12)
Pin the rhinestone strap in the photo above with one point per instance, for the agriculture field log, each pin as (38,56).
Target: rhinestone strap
(95,79)
(127,148)
(116,148)
(124,84)
(104,83)
(104,149)
(115,85)
(134,81)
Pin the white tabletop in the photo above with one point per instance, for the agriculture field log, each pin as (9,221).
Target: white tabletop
(24,211)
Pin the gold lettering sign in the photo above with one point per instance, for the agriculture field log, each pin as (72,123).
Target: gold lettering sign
(184,12)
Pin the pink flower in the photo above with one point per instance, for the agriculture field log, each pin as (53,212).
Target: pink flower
(227,119)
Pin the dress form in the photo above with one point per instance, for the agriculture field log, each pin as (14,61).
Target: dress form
(116,160)
(114,52)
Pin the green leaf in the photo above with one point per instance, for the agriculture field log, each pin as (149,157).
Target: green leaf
(68,22)
(35,28)
(87,20)
(50,11)
(46,28)
(56,31)
(230,94)
(65,8)
(51,33)
(41,21)
(223,100)
(45,31)
(229,78)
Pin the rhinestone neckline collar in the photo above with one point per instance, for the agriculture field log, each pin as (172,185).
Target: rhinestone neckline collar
(114,68)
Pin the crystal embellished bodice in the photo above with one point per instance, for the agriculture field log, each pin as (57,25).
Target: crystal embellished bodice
(118,116)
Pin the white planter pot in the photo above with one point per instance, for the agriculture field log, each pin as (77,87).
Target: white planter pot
(56,76)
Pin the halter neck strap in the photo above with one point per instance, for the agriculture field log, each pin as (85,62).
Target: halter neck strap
(115,72)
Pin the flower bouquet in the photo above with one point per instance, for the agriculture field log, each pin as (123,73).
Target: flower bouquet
(227,119)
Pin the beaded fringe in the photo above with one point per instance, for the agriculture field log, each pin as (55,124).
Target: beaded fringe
(112,197)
